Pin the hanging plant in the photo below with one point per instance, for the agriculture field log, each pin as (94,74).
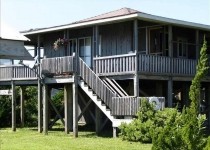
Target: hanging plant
(60,42)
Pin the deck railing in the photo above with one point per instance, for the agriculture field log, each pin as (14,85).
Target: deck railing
(17,72)
(58,65)
(129,105)
(153,64)
(115,64)
(125,106)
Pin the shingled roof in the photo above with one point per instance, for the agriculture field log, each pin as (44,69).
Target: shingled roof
(120,12)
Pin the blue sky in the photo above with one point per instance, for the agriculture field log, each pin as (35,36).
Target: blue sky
(27,14)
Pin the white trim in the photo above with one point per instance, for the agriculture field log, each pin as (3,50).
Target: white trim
(101,21)
(159,19)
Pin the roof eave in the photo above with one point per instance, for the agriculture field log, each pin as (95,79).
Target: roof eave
(94,22)
(165,20)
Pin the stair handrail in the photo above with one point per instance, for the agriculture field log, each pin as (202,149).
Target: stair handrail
(95,83)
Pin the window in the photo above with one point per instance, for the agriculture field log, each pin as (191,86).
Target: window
(182,47)
(85,50)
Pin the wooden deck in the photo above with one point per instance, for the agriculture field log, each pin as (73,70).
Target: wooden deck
(17,72)
(105,66)
(147,64)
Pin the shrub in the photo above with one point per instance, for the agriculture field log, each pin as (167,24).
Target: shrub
(147,123)
(186,133)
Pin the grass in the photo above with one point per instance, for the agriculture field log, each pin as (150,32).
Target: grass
(30,139)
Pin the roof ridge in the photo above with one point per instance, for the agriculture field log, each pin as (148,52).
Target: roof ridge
(131,11)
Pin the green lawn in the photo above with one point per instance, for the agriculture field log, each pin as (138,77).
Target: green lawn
(29,139)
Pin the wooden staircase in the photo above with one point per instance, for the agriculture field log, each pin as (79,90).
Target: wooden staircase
(100,92)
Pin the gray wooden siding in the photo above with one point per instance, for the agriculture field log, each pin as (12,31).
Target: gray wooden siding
(49,39)
(116,38)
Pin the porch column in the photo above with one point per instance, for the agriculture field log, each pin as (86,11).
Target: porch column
(147,49)
(45,108)
(75,107)
(22,106)
(68,105)
(95,41)
(136,77)
(40,118)
(170,54)
(13,106)
(170,41)
(98,119)
(197,44)
(170,91)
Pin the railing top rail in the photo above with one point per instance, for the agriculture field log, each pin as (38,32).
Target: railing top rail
(10,66)
(114,56)
(57,57)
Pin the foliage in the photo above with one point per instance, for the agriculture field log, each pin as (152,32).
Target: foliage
(186,132)
(60,42)
(57,100)
(30,107)
(208,144)
(148,122)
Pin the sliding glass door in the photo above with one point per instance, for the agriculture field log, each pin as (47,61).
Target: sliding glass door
(85,50)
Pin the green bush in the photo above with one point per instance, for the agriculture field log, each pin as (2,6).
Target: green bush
(147,123)
(186,133)
(208,144)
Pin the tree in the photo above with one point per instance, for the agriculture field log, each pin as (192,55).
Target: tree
(187,132)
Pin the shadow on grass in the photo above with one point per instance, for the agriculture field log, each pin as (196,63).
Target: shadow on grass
(87,131)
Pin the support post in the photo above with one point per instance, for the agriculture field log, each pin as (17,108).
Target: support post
(22,106)
(13,107)
(170,91)
(114,132)
(68,107)
(75,107)
(136,77)
(45,109)
(40,115)
(98,120)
